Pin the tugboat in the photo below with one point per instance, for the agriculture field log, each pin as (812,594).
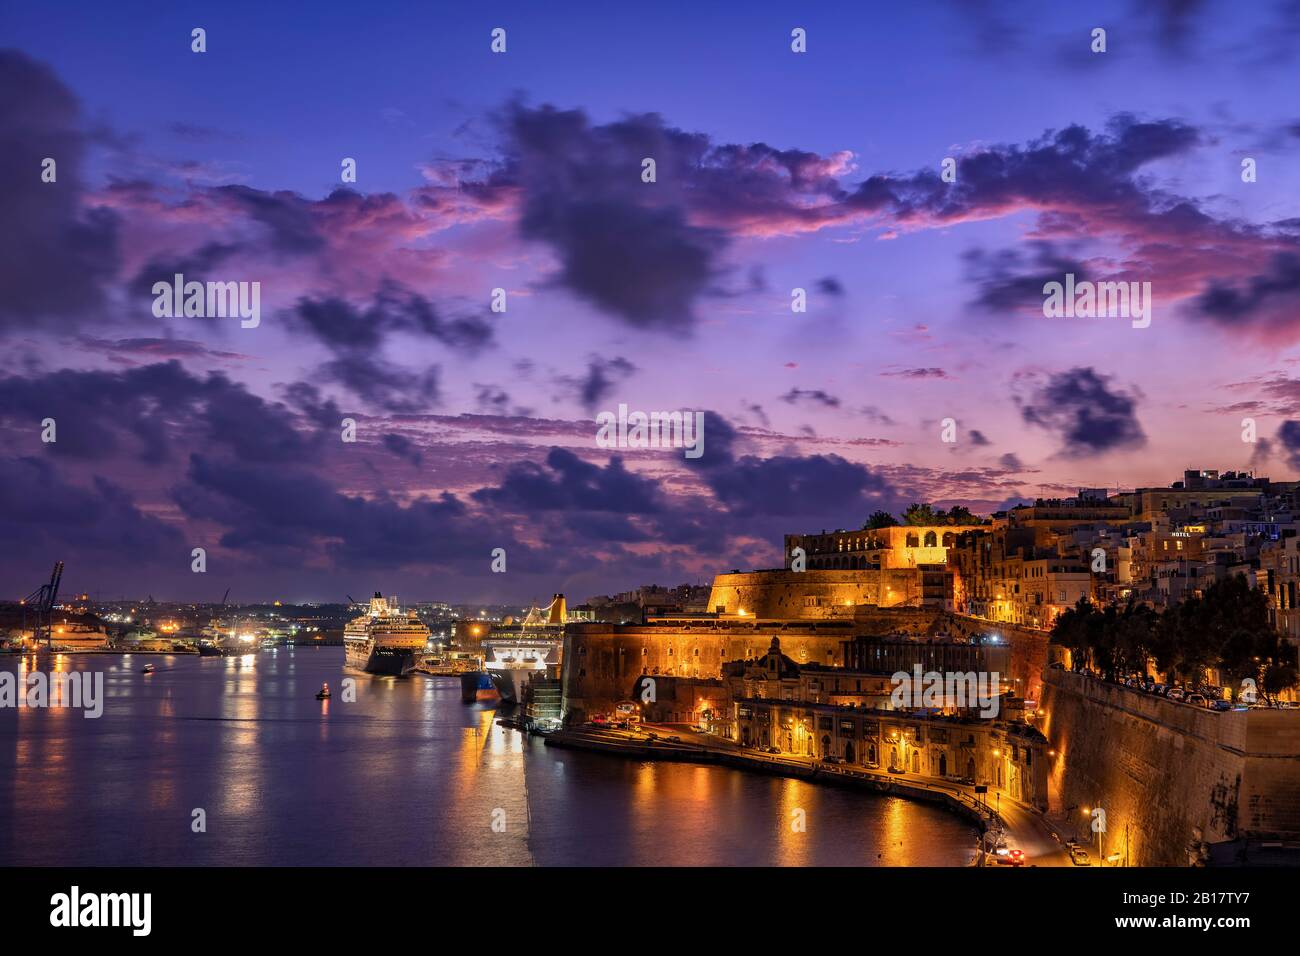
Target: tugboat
(148,669)
(324,692)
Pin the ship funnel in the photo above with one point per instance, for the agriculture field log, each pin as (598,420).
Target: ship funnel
(558,610)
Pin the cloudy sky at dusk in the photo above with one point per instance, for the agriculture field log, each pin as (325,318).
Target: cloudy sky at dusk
(522,170)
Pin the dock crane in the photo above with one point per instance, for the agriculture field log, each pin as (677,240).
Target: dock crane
(42,602)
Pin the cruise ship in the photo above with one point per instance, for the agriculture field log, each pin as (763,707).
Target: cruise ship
(384,640)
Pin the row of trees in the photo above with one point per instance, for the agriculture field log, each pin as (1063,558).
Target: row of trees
(919,515)
(1226,628)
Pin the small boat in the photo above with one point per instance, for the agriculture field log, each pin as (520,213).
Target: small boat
(324,692)
(148,669)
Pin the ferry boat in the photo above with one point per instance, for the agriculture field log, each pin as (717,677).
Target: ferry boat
(384,640)
(513,652)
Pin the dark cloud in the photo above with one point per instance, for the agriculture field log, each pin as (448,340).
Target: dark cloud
(602,378)
(1087,414)
(491,399)
(1265,301)
(875,415)
(625,245)
(808,487)
(812,396)
(720,443)
(342,326)
(830,285)
(40,508)
(1012,280)
(568,483)
(1063,169)
(283,509)
(146,347)
(1263,452)
(307,399)
(291,227)
(1288,438)
(1015,501)
(56,253)
(195,266)
(383,384)
(644,253)
(148,412)
(978,439)
(916,373)
(403,448)
(356,337)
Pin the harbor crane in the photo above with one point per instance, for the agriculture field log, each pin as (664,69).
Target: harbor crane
(42,601)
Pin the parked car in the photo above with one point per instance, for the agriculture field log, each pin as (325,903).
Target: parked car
(1176,693)
(774,750)
(1197,700)
(1056,666)
(1221,705)
(831,758)
(674,740)
(1159,689)
(1079,856)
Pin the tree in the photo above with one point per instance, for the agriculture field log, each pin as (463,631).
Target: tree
(1278,675)
(1134,638)
(1226,628)
(1071,632)
(919,515)
(881,519)
(958,514)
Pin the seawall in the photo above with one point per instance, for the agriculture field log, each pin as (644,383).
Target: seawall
(1172,779)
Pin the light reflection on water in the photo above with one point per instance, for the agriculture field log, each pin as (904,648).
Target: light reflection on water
(405,775)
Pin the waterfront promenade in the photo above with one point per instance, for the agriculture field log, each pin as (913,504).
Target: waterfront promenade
(1022,826)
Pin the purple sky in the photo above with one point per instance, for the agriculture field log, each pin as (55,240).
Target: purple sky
(522,170)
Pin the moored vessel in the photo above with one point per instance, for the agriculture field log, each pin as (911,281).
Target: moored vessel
(476,686)
(384,640)
(515,652)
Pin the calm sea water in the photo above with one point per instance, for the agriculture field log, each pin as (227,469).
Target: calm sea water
(406,775)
